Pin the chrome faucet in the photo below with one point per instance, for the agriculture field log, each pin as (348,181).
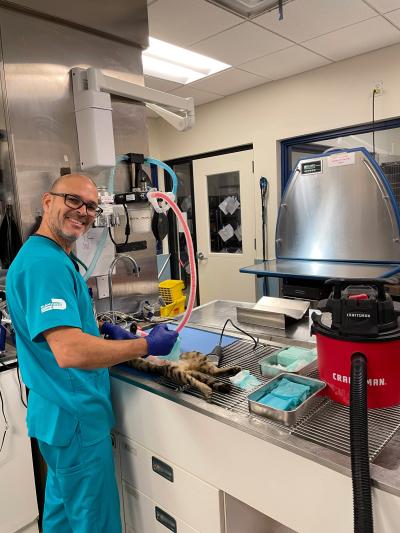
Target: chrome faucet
(136,270)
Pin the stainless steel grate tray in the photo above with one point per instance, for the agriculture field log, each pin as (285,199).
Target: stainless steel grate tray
(329,427)
(328,423)
(238,353)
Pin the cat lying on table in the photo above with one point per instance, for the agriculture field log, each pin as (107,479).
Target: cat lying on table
(193,368)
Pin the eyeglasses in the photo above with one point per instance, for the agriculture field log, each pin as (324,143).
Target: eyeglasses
(76,202)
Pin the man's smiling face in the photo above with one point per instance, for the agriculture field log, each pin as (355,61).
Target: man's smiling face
(66,223)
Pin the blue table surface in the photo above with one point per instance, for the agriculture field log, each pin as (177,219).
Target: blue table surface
(193,339)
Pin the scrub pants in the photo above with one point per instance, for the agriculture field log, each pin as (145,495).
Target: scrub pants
(81,491)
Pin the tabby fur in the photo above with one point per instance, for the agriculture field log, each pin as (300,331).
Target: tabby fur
(194,369)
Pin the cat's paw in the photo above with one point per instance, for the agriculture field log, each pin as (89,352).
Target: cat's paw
(231,370)
(220,386)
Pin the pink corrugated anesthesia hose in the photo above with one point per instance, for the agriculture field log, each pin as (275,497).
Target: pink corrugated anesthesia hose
(152,196)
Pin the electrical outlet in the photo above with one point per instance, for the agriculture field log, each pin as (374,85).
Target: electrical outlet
(378,88)
(102,287)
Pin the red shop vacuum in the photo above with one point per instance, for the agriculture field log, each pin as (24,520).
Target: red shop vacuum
(358,345)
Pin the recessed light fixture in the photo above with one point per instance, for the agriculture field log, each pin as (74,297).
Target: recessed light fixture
(249,8)
(170,62)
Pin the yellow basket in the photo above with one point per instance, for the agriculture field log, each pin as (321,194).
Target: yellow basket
(170,290)
(175,308)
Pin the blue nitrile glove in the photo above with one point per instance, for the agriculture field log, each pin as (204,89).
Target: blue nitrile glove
(116,333)
(161,340)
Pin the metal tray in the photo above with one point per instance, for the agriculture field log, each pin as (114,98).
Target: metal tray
(288,418)
(272,312)
(273,372)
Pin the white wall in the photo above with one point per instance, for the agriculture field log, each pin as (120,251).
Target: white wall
(326,98)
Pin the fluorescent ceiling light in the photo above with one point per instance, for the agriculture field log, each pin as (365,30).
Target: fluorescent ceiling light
(248,8)
(170,62)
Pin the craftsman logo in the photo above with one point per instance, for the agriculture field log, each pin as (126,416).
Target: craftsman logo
(359,315)
(55,304)
(373,382)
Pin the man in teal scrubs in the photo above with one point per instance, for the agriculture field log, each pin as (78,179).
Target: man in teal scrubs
(64,362)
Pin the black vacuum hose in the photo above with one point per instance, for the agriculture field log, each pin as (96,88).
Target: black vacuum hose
(362,502)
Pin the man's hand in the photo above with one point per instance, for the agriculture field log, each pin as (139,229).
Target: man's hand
(74,349)
(115,333)
(161,340)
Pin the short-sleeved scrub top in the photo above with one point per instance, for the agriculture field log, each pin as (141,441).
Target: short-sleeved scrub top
(45,290)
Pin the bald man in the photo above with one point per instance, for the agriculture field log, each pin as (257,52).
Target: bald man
(64,362)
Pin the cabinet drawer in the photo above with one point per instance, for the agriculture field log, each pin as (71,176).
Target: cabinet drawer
(195,502)
(143,515)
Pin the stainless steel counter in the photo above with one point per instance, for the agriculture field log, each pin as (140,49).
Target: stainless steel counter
(213,316)
(385,469)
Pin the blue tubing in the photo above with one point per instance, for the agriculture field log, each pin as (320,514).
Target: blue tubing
(149,160)
(104,234)
(96,256)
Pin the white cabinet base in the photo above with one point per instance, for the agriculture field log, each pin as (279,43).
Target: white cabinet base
(240,517)
(297,492)
(30,528)
(18,504)
(186,496)
(143,515)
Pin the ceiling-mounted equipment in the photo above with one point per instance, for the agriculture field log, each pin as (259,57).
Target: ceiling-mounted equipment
(92,101)
(249,8)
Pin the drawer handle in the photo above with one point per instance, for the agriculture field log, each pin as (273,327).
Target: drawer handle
(165,519)
(162,469)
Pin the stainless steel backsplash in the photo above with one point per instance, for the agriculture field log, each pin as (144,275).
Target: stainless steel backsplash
(37,117)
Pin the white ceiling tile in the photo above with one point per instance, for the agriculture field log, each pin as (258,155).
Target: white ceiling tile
(183,22)
(384,6)
(306,19)
(160,85)
(241,43)
(356,39)
(229,82)
(200,97)
(394,17)
(285,63)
